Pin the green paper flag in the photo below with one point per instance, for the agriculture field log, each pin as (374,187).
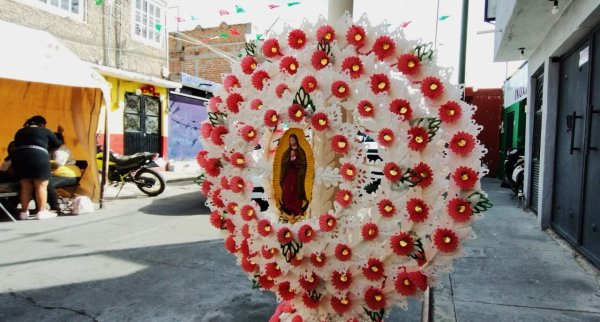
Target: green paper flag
(239,9)
(292,4)
(99,2)
(259,36)
(224,35)
(158,26)
(442,18)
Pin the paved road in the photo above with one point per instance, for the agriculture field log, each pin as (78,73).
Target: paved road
(138,259)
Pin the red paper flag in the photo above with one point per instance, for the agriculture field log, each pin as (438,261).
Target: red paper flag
(223,12)
(273,6)
(179,19)
(405,24)
(234,32)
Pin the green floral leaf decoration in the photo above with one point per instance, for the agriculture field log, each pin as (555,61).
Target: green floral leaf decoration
(250,48)
(375,316)
(303,98)
(290,250)
(216,118)
(424,51)
(199,179)
(482,203)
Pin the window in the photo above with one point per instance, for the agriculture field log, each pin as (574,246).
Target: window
(70,8)
(148,22)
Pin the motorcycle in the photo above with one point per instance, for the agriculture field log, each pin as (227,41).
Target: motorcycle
(135,168)
(514,170)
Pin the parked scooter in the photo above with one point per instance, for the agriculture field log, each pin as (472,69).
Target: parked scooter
(135,168)
(514,170)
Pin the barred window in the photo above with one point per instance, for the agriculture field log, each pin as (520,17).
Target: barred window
(73,8)
(148,21)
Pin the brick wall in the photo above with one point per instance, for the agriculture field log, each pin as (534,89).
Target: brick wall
(194,59)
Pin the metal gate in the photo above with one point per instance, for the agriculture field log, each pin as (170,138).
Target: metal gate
(537,142)
(577,164)
(141,124)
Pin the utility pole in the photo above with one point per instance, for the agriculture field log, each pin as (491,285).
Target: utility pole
(337,8)
(463,42)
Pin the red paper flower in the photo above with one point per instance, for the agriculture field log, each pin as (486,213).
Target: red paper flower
(232,208)
(341,305)
(296,112)
(309,302)
(216,219)
(325,33)
(309,282)
(373,270)
(205,187)
(384,47)
(432,87)
(380,83)
(273,270)
(445,240)
(212,167)
(385,137)
(417,210)
(232,102)
(402,244)
(404,284)
(462,143)
(205,130)
(425,175)
(319,60)
(386,208)
(401,108)
(230,244)
(339,144)
(224,183)
(230,226)
(365,108)
(248,64)
(268,253)
(286,292)
(256,104)
(309,83)
(343,252)
(306,234)
(319,121)
(201,157)
(369,231)
(418,138)
(264,227)
(356,36)
(248,133)
(217,134)
(392,172)
(318,260)
(265,282)
(230,82)
(340,89)
(409,64)
(270,48)
(465,178)
(353,65)
(237,184)
(419,279)
(271,118)
(248,212)
(341,280)
(450,112)
(214,102)
(246,235)
(288,64)
(280,89)
(297,39)
(284,235)
(460,209)
(327,222)
(348,171)
(248,266)
(343,197)
(297,318)
(238,160)
(375,299)
(258,79)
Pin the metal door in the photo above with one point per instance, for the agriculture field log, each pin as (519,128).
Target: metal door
(537,142)
(142,124)
(590,241)
(569,159)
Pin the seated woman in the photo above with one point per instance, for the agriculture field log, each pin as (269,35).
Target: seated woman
(64,173)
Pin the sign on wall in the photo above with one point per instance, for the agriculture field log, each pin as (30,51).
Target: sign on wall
(184,121)
(515,88)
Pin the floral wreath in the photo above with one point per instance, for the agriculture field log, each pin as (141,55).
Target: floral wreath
(376,231)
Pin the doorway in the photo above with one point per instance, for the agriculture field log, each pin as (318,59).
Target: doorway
(141,122)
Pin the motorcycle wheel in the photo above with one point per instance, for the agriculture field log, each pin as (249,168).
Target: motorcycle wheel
(150,182)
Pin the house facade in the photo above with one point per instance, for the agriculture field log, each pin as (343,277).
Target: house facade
(561,42)
(125,40)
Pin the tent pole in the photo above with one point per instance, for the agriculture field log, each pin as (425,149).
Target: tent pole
(105,154)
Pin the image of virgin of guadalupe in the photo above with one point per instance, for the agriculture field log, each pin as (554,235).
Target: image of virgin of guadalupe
(293,174)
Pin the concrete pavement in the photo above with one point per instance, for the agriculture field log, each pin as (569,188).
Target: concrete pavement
(159,259)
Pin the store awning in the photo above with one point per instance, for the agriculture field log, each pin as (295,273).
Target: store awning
(136,77)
